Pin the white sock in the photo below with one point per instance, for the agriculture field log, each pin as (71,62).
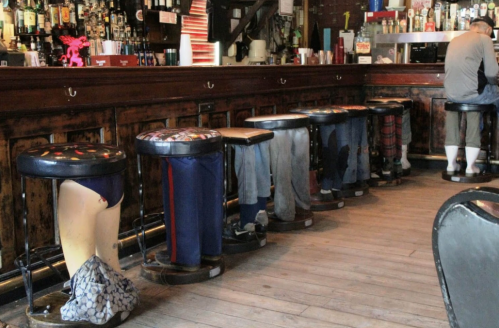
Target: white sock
(323,191)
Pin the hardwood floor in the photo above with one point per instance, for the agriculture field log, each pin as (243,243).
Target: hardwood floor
(369,264)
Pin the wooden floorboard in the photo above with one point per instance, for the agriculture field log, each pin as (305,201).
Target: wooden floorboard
(369,264)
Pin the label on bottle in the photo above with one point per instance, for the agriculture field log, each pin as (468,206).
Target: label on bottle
(363,47)
(161,3)
(41,21)
(169,4)
(65,15)
(29,18)
(54,15)
(138,15)
(20,19)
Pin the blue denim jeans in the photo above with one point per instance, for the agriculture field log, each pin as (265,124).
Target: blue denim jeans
(351,135)
(252,165)
(193,205)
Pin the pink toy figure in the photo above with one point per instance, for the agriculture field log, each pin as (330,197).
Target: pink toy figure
(73,53)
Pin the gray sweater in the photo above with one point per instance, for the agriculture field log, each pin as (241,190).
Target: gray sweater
(465,75)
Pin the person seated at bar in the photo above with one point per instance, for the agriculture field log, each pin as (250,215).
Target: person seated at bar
(470,77)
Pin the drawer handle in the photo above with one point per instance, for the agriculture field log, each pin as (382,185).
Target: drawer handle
(338,77)
(282,81)
(209,85)
(70,92)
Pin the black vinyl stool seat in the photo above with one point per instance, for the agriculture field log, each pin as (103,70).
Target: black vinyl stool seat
(485,176)
(465,247)
(303,218)
(242,137)
(59,161)
(173,142)
(381,110)
(359,188)
(321,115)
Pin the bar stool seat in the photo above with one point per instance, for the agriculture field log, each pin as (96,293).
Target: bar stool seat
(286,191)
(258,238)
(461,176)
(357,135)
(61,161)
(390,171)
(319,116)
(181,200)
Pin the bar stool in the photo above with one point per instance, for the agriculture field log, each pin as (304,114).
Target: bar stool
(354,133)
(289,156)
(252,166)
(90,171)
(192,166)
(326,118)
(460,175)
(390,122)
(406,126)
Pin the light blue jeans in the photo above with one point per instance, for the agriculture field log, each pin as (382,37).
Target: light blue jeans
(289,161)
(252,164)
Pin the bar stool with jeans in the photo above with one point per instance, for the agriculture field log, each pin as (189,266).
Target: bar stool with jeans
(192,167)
(289,158)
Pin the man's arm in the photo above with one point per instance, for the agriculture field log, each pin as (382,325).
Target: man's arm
(489,61)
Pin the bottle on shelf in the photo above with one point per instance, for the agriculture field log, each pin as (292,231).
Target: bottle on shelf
(19,17)
(161,5)
(29,18)
(32,45)
(40,17)
(42,58)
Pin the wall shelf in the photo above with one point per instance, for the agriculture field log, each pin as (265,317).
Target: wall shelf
(418,37)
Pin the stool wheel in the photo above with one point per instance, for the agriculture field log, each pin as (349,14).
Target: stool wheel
(460,107)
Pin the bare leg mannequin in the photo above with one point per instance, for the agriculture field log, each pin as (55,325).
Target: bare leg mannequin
(87,226)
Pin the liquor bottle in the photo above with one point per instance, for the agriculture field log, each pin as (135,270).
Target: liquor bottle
(29,18)
(42,58)
(127,27)
(417,22)
(40,17)
(169,5)
(64,15)
(19,17)
(143,56)
(32,45)
(72,15)
(177,7)
(161,5)
(149,54)
(119,14)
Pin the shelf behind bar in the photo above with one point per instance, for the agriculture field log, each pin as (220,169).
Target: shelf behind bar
(418,37)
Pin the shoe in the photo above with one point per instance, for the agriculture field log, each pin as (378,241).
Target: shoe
(211,258)
(164,261)
(471,157)
(451,153)
(386,175)
(302,212)
(234,232)
(453,170)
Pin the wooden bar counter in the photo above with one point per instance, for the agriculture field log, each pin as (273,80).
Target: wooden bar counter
(113,105)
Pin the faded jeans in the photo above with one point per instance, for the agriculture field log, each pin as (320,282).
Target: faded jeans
(289,160)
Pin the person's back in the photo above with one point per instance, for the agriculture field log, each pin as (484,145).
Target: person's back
(465,75)
(470,77)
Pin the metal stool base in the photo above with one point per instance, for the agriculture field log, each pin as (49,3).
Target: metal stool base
(299,223)
(356,191)
(384,183)
(230,246)
(334,204)
(158,274)
(52,318)
(461,177)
